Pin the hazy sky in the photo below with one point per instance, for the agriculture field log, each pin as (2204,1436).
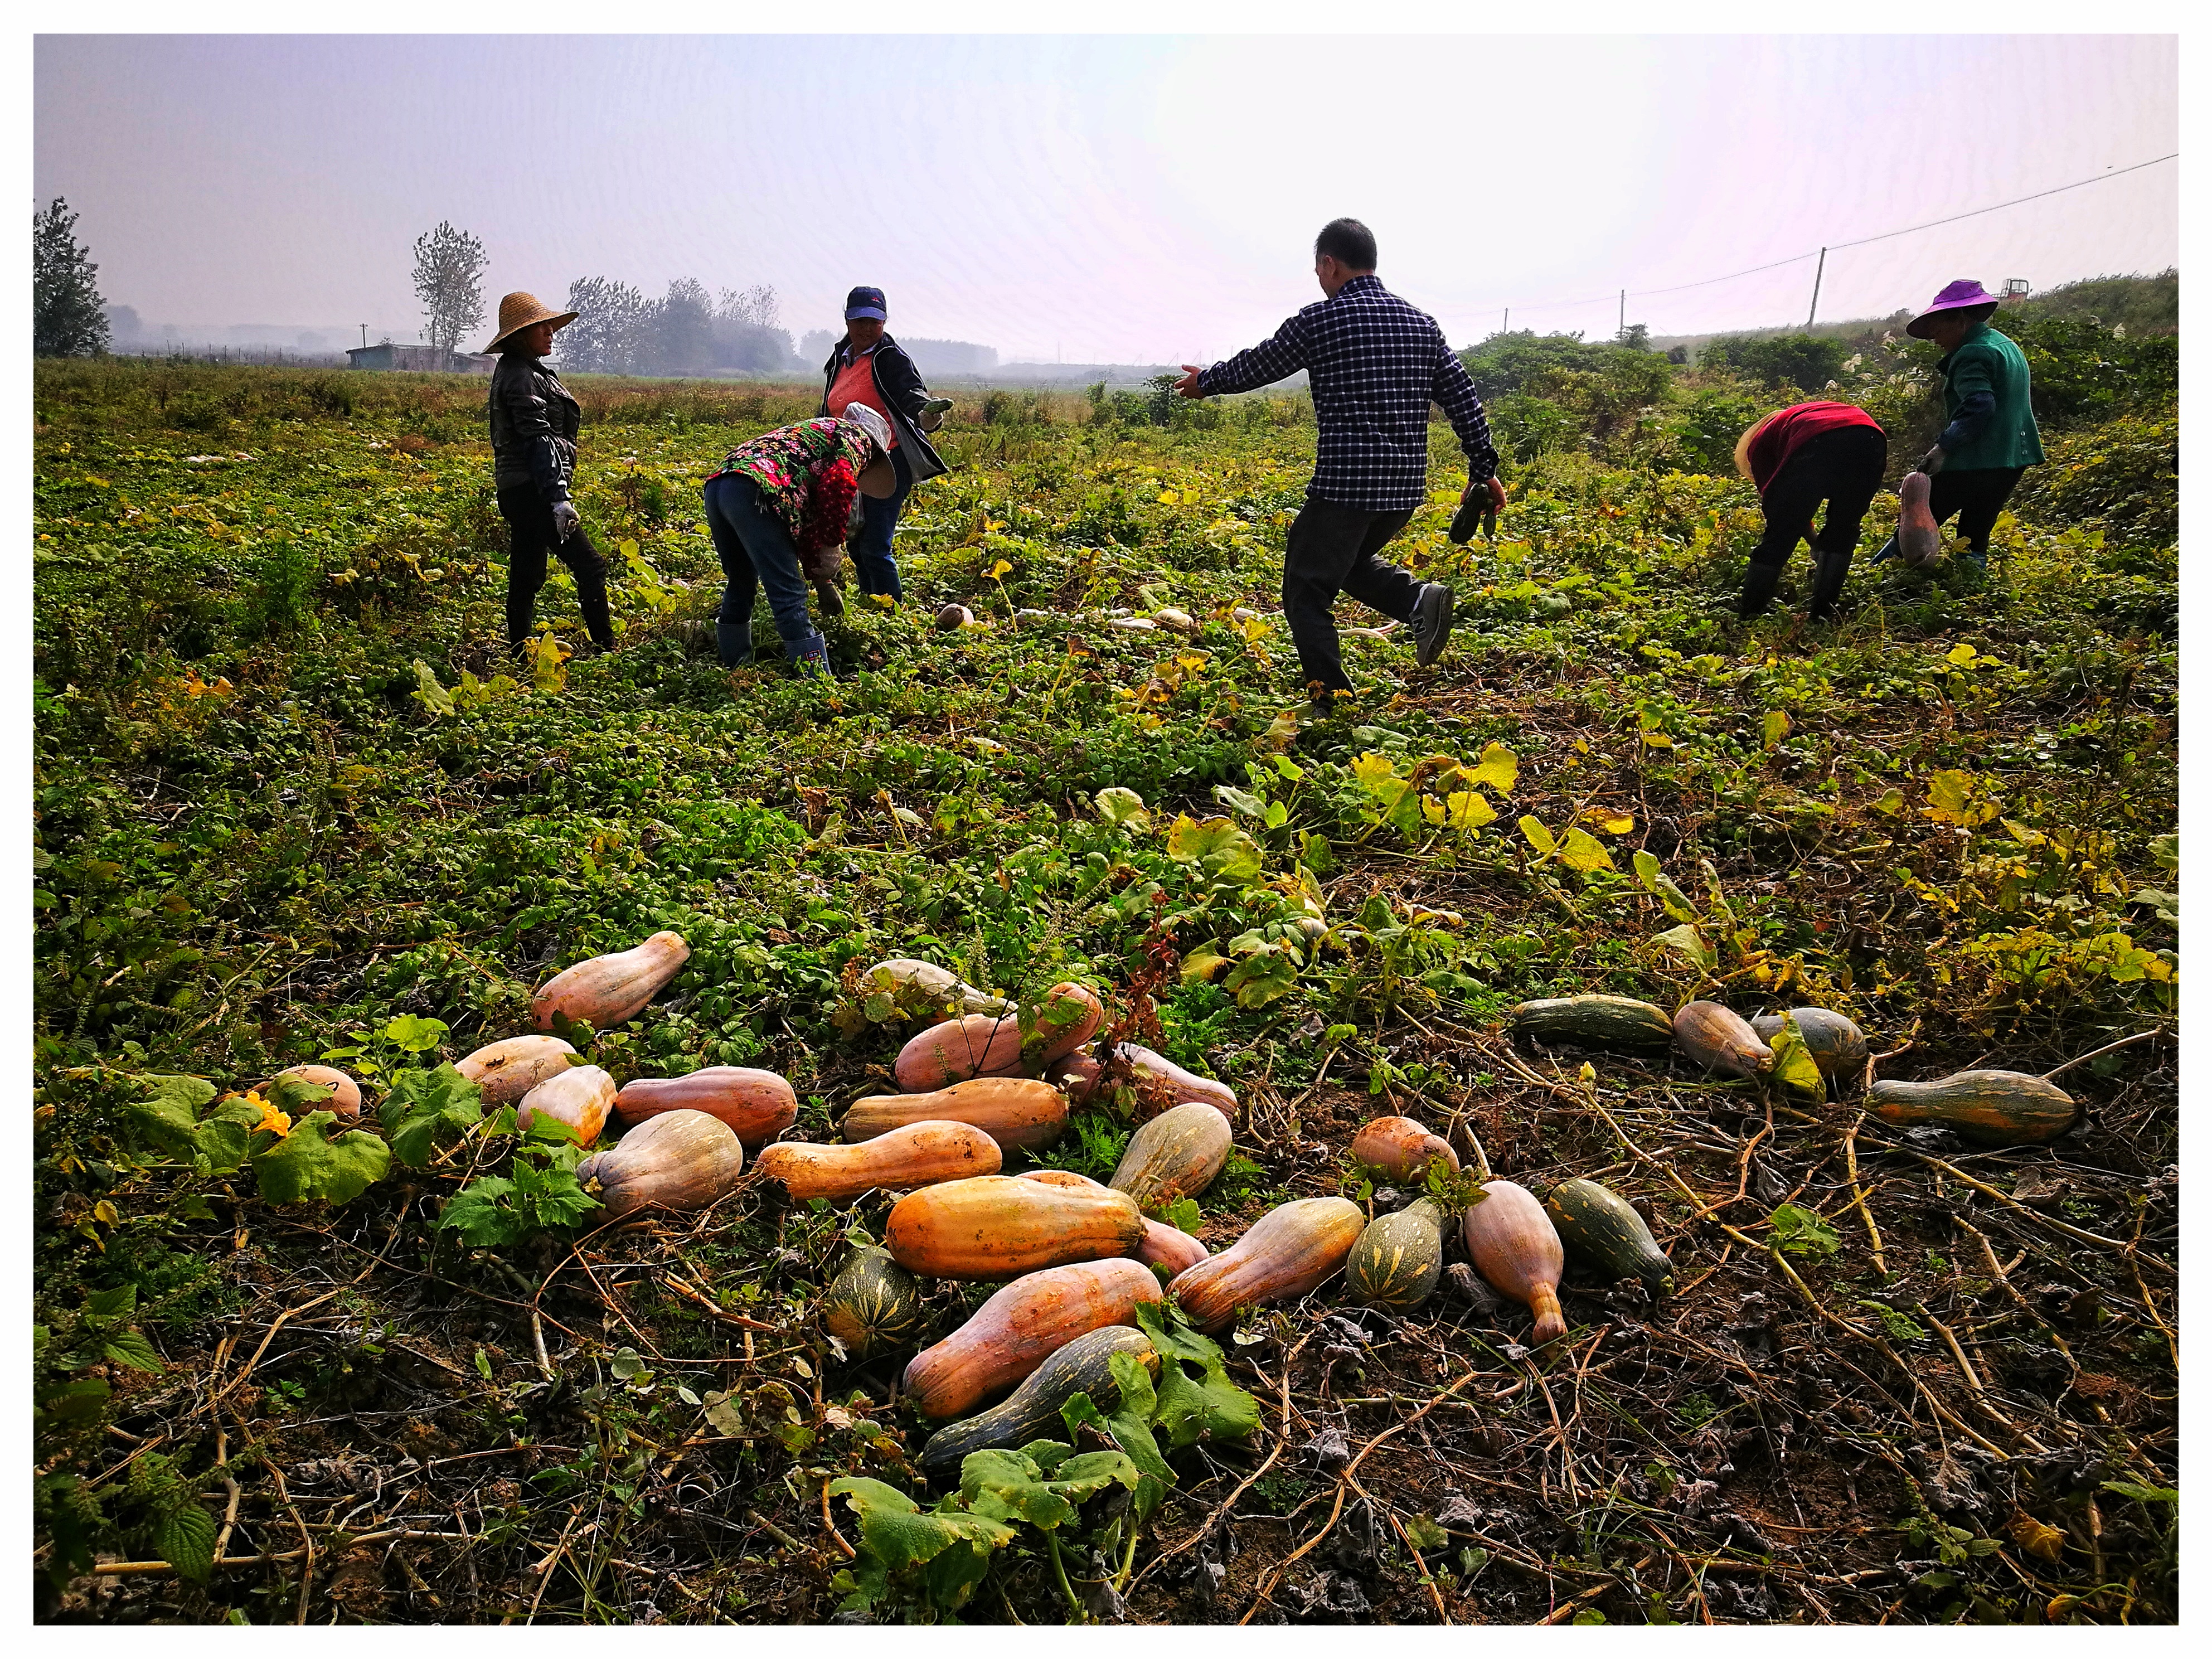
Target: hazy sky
(1105,199)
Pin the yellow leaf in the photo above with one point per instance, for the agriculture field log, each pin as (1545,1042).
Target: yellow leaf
(1658,739)
(1498,770)
(1204,962)
(1468,812)
(1777,728)
(1538,836)
(1613,822)
(1957,797)
(1000,569)
(1892,802)
(1582,853)
(1963,654)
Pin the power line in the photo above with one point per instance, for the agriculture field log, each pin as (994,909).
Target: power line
(1883,236)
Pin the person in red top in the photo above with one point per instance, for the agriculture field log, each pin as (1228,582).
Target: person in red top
(1800,457)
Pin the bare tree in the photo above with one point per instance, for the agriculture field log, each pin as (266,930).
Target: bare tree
(757,305)
(449,267)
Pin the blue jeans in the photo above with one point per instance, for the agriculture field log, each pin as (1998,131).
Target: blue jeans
(755,552)
(870,545)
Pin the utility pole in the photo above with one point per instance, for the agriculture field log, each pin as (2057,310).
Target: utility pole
(1819,270)
(364,337)
(1623,327)
(1506,327)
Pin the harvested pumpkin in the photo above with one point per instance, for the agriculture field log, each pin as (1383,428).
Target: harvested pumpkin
(679,1160)
(607,990)
(1395,1262)
(1515,1247)
(1069,1017)
(1020,1327)
(1595,1021)
(1919,538)
(872,1305)
(1176,1155)
(1004,1227)
(1838,1048)
(917,1155)
(945,988)
(1014,1111)
(1283,1254)
(1721,1040)
(505,1072)
(580,1096)
(1032,1411)
(954,1050)
(1996,1109)
(1402,1149)
(343,1100)
(1158,1083)
(1603,1228)
(1170,1248)
(758,1105)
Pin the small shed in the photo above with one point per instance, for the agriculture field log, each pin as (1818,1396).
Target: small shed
(435,360)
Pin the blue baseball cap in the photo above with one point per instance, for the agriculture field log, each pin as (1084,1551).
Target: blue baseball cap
(865,302)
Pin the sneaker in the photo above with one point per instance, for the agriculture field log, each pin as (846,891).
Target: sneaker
(1432,621)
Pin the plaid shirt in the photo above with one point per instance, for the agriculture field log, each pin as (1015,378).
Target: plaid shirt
(1375,364)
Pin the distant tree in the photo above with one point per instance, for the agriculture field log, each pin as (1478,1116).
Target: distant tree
(1637,337)
(816,345)
(449,267)
(681,334)
(609,331)
(67,317)
(124,327)
(1807,362)
(757,305)
(748,335)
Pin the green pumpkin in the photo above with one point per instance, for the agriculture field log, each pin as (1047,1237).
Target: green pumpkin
(1595,1021)
(1032,1411)
(1603,1228)
(1994,1108)
(872,1305)
(1395,1261)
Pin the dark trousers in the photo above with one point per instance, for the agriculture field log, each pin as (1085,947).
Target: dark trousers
(1976,494)
(531,537)
(757,552)
(1331,550)
(1841,467)
(870,547)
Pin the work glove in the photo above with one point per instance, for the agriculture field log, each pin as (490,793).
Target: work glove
(566,520)
(1932,462)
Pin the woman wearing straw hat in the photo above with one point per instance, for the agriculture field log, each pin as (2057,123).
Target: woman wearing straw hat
(1800,457)
(1990,438)
(533,446)
(777,508)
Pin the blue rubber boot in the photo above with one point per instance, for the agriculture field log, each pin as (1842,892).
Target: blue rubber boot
(733,644)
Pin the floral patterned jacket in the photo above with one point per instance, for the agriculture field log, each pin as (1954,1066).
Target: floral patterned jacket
(807,475)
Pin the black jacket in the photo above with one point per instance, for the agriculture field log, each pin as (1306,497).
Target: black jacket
(533,426)
(898,383)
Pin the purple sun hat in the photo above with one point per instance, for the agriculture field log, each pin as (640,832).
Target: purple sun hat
(1964,294)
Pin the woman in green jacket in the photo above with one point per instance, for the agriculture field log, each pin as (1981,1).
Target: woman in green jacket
(1990,438)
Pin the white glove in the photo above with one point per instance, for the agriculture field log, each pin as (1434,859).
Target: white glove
(566,520)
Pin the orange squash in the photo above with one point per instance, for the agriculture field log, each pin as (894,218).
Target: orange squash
(1993,1108)
(1401,1148)
(1013,1334)
(608,990)
(344,1098)
(1170,1248)
(1157,1084)
(1721,1039)
(974,1045)
(1014,1111)
(1077,1075)
(580,1097)
(1002,1226)
(679,1160)
(1283,1254)
(1918,537)
(758,1105)
(505,1072)
(1515,1247)
(918,1155)
(1069,1018)
(1176,1155)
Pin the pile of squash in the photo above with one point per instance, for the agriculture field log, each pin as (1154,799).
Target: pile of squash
(1076,1258)
(1990,1107)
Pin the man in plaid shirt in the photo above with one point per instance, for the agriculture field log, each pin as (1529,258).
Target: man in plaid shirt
(1375,364)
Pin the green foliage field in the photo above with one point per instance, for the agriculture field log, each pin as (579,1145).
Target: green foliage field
(292,799)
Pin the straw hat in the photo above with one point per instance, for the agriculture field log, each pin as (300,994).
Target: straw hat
(878,478)
(1964,294)
(519,311)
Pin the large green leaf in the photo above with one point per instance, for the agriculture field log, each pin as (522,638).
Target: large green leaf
(1215,846)
(427,1109)
(1260,978)
(175,1119)
(946,1549)
(308,1165)
(1212,1408)
(184,1538)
